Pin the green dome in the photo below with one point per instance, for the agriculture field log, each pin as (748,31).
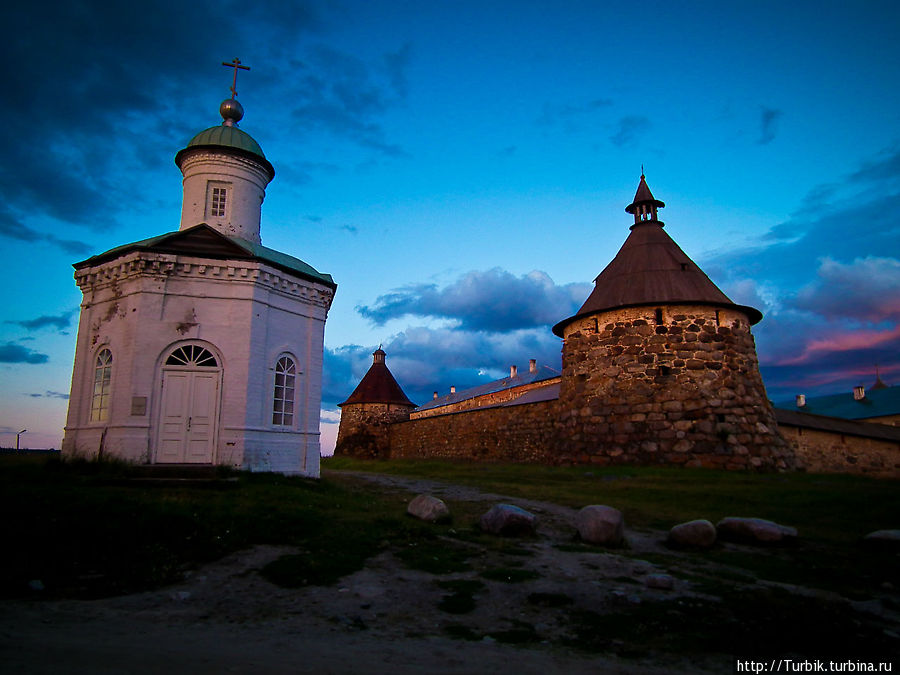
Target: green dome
(229,137)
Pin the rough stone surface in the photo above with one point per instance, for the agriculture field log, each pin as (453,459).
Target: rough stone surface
(754,531)
(426,507)
(509,521)
(684,389)
(662,582)
(693,534)
(600,525)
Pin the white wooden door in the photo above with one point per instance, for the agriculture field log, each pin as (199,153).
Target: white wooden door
(190,403)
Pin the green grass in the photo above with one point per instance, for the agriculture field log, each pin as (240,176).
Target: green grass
(834,508)
(88,529)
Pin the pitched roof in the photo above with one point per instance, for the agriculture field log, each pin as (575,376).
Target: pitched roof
(489,388)
(651,269)
(206,242)
(795,418)
(378,385)
(876,403)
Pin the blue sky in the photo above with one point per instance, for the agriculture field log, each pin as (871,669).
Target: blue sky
(462,168)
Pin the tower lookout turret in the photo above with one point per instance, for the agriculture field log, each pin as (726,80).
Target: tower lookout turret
(225,175)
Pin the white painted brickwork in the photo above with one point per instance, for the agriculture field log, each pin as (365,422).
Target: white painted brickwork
(248,314)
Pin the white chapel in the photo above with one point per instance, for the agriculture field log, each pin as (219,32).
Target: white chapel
(202,346)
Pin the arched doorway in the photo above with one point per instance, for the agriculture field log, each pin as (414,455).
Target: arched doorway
(189,410)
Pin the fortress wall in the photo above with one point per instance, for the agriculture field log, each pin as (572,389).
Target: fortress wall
(677,384)
(830,452)
(364,429)
(516,433)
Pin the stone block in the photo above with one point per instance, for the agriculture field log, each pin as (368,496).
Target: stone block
(692,534)
(511,521)
(600,525)
(428,508)
(754,530)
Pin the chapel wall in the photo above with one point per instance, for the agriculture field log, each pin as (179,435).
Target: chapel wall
(684,390)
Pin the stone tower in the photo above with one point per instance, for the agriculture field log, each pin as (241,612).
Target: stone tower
(376,402)
(660,367)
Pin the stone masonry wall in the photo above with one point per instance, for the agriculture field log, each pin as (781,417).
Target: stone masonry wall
(830,452)
(516,433)
(669,385)
(364,430)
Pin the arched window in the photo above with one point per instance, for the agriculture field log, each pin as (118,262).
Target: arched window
(102,379)
(285,377)
(192,356)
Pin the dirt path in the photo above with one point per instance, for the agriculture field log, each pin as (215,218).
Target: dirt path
(386,618)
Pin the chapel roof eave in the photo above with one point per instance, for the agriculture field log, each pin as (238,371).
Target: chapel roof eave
(205,242)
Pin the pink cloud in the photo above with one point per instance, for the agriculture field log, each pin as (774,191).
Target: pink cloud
(842,342)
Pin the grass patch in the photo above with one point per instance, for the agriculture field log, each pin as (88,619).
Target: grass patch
(91,529)
(836,508)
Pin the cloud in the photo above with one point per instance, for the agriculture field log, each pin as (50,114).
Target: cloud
(352,229)
(628,129)
(866,289)
(497,320)
(768,123)
(71,150)
(340,94)
(13,353)
(494,300)
(11,228)
(61,322)
(424,360)
(50,394)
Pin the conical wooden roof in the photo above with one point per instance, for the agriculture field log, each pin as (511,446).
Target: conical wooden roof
(651,269)
(378,385)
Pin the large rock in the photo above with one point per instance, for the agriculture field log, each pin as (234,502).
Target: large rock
(600,525)
(886,539)
(754,531)
(509,521)
(693,534)
(426,507)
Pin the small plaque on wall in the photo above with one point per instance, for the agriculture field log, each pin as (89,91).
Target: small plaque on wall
(138,406)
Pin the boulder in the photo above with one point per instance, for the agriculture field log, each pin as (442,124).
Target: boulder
(426,507)
(600,525)
(509,521)
(886,539)
(754,531)
(692,534)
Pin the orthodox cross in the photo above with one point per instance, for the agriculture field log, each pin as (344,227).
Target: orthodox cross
(236,63)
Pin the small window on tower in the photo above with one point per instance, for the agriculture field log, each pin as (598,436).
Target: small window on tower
(217,200)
